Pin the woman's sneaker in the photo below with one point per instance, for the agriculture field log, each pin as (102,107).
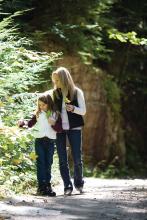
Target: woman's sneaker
(80,189)
(68,191)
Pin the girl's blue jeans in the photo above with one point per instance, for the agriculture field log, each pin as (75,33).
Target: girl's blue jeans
(75,141)
(44,148)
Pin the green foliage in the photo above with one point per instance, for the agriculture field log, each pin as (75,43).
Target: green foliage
(20,71)
(130,32)
(112,171)
(20,66)
(16,149)
(130,37)
(81,24)
(18,170)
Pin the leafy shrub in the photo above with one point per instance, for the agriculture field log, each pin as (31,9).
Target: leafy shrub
(20,71)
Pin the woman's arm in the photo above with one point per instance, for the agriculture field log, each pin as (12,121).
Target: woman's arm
(81,109)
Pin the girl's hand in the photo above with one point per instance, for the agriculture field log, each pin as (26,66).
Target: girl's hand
(70,108)
(51,121)
(20,123)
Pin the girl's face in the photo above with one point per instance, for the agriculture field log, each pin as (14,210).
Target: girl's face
(56,81)
(42,106)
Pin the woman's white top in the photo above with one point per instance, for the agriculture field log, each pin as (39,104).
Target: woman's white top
(80,110)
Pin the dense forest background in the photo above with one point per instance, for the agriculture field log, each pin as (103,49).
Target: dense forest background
(107,34)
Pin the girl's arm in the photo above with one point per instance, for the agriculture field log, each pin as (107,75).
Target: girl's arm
(27,123)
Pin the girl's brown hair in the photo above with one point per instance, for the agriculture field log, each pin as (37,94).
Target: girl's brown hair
(47,99)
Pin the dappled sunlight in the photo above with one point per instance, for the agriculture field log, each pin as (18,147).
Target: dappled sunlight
(102,199)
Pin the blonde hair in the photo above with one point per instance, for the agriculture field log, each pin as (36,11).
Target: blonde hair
(66,81)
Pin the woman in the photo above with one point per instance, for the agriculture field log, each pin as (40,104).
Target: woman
(70,102)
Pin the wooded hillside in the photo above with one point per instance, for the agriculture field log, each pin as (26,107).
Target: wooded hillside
(105,46)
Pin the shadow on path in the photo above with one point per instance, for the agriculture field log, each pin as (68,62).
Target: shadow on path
(97,203)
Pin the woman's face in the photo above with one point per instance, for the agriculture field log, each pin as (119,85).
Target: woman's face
(42,106)
(56,81)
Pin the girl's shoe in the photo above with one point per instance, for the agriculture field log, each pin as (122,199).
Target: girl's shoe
(41,191)
(49,191)
(46,190)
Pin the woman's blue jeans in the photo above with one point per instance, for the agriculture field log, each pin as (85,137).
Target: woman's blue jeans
(44,148)
(75,141)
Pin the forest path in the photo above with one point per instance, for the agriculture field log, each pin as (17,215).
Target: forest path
(103,199)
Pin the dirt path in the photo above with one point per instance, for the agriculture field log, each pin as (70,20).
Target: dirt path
(101,200)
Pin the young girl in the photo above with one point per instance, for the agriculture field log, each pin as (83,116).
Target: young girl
(45,136)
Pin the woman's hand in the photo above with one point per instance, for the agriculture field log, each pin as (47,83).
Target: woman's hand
(70,108)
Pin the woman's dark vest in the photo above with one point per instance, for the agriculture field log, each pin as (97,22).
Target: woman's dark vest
(74,119)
